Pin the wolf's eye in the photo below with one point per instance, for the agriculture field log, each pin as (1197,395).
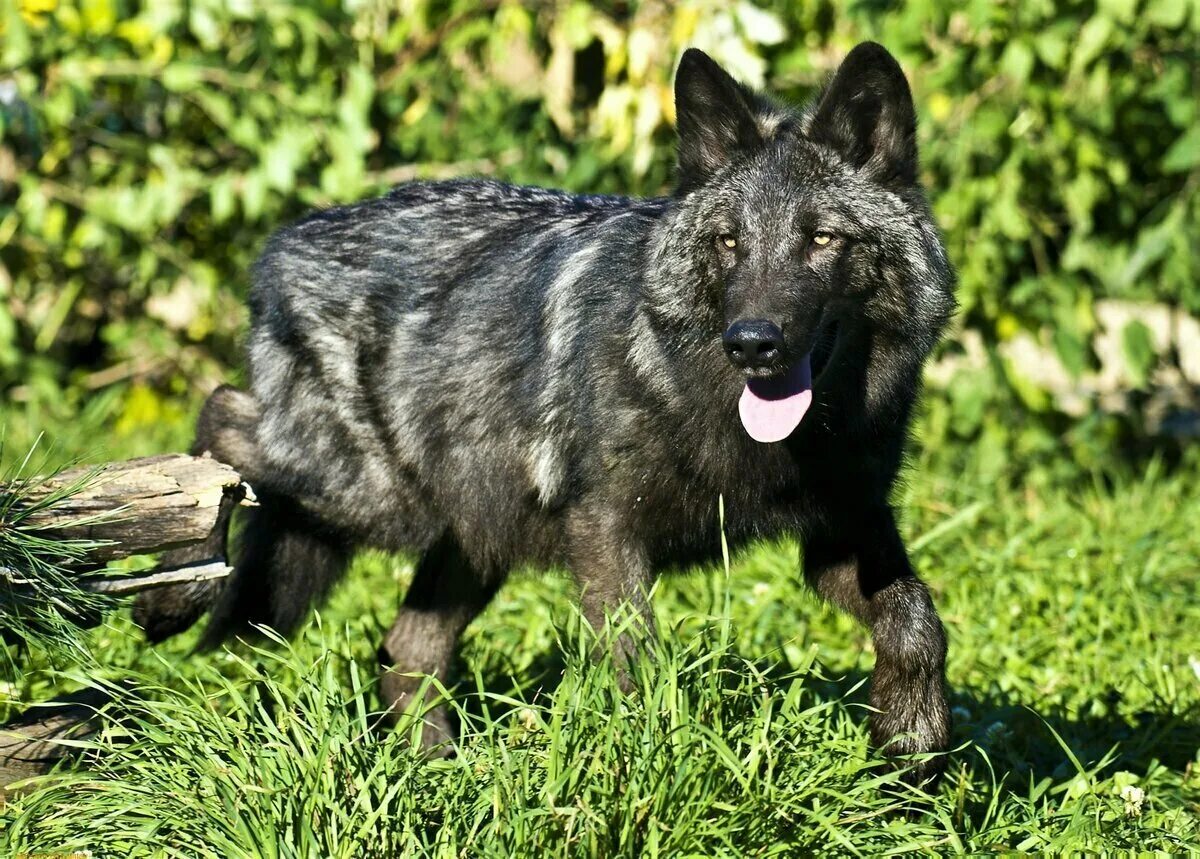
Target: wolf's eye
(727,241)
(822,238)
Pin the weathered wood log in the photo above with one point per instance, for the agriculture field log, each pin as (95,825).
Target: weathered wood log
(31,744)
(140,506)
(159,577)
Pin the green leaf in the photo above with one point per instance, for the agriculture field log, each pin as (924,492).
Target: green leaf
(222,198)
(1166,13)
(16,45)
(1184,153)
(1072,349)
(969,394)
(1121,11)
(181,77)
(1152,245)
(1053,45)
(1138,346)
(1093,38)
(254,194)
(205,26)
(1017,60)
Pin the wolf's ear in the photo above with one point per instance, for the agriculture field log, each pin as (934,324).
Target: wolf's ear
(715,118)
(866,114)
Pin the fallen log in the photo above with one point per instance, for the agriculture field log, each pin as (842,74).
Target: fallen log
(139,506)
(33,743)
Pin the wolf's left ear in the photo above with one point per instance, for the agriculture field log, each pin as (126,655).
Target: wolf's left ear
(715,118)
(866,114)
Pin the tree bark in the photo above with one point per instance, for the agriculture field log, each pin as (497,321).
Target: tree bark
(139,506)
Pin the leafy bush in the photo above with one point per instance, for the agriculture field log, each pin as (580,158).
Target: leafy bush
(147,149)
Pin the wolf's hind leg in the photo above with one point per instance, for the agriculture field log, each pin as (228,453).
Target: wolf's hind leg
(446,594)
(164,612)
(225,430)
(864,570)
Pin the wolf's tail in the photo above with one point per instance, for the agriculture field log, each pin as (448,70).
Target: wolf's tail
(284,561)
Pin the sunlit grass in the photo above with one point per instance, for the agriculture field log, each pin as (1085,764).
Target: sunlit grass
(1075,650)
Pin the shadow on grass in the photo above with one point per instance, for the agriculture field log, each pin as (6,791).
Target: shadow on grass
(1023,739)
(1019,736)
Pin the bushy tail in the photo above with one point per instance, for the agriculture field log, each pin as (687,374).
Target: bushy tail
(283,565)
(284,561)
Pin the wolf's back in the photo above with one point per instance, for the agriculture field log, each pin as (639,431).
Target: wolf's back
(417,363)
(426,359)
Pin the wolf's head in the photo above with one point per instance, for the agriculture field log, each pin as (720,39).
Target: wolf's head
(799,223)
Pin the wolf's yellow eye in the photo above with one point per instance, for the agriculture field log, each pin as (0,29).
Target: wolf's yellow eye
(822,239)
(727,241)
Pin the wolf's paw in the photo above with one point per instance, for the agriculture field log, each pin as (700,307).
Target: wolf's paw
(411,701)
(914,738)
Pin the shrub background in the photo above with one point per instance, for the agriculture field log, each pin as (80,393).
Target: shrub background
(147,150)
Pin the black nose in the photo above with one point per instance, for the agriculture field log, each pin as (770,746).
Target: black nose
(754,343)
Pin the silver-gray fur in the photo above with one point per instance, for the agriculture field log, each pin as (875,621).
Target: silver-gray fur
(489,375)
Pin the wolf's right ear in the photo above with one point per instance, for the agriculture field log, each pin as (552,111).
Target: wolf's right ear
(714,116)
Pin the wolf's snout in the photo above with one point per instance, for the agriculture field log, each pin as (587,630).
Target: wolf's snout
(755,344)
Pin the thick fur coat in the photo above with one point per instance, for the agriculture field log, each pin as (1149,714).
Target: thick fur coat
(490,376)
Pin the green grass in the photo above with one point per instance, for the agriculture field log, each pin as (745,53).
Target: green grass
(1074,629)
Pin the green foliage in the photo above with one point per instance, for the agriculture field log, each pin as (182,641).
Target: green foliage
(1074,671)
(146,150)
(39,602)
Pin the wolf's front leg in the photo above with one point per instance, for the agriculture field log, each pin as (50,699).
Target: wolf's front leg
(862,567)
(614,576)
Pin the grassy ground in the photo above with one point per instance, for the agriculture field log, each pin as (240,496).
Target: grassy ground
(1075,663)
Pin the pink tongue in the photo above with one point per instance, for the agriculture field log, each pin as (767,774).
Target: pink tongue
(772,408)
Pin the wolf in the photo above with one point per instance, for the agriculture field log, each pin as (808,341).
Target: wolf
(489,376)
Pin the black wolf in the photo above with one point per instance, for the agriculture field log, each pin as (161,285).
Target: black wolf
(489,375)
